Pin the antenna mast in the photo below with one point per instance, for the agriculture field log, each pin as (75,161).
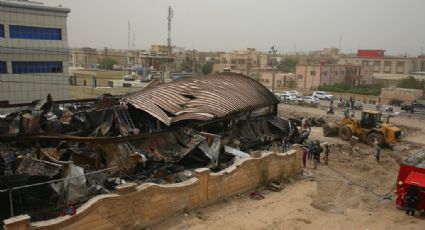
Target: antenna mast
(134,41)
(128,36)
(169,18)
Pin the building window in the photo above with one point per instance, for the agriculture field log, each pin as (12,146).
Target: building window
(233,61)
(342,73)
(1,31)
(279,82)
(376,66)
(400,67)
(365,62)
(38,33)
(3,67)
(37,67)
(267,80)
(325,73)
(313,73)
(336,73)
(387,66)
(241,61)
(300,76)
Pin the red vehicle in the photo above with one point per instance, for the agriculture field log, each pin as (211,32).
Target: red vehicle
(412,172)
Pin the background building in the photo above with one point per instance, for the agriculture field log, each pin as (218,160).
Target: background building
(33,51)
(282,80)
(385,66)
(248,62)
(312,76)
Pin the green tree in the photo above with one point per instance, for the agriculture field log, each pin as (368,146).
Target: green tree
(107,63)
(287,65)
(207,68)
(186,65)
(411,83)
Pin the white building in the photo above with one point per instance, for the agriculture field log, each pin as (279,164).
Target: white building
(33,52)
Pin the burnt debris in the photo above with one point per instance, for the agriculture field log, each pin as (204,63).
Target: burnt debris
(56,155)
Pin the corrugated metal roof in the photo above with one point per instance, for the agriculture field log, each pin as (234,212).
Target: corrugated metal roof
(202,98)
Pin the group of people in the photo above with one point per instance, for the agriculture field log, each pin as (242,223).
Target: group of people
(344,102)
(411,199)
(312,151)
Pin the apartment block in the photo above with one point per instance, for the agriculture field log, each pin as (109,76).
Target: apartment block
(312,76)
(383,65)
(33,51)
(282,80)
(249,62)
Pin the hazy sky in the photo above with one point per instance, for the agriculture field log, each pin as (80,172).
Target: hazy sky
(397,26)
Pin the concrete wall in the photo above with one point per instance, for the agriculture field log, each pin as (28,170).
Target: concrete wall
(86,77)
(81,92)
(401,94)
(136,207)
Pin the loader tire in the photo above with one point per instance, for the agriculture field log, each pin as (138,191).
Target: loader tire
(371,137)
(330,129)
(345,133)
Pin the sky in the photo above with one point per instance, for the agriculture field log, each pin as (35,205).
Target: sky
(224,25)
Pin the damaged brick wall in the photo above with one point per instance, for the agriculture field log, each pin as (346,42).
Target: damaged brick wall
(140,206)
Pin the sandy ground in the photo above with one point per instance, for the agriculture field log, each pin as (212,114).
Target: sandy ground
(353,192)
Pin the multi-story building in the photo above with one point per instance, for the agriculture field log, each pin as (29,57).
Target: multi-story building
(84,57)
(312,76)
(248,62)
(382,65)
(281,80)
(33,51)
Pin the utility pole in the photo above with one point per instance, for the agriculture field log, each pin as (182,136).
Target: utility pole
(169,18)
(193,63)
(273,51)
(248,65)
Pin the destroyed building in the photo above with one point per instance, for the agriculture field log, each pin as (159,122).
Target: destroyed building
(57,155)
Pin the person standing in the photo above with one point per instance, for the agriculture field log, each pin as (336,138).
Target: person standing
(304,156)
(346,111)
(310,150)
(411,199)
(377,149)
(316,156)
(319,150)
(326,158)
(307,126)
(303,123)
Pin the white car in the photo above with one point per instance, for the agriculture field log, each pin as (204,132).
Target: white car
(311,100)
(285,96)
(296,93)
(323,95)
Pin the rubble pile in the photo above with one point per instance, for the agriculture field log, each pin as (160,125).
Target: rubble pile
(56,156)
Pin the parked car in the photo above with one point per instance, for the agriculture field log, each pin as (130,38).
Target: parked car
(289,97)
(296,93)
(358,105)
(311,99)
(323,95)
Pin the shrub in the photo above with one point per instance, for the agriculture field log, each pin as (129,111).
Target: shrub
(373,89)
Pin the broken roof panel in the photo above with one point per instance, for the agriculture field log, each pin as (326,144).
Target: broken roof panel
(202,98)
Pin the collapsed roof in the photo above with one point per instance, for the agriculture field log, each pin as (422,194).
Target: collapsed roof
(202,98)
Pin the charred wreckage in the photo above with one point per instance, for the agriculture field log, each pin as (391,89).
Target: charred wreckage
(54,157)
